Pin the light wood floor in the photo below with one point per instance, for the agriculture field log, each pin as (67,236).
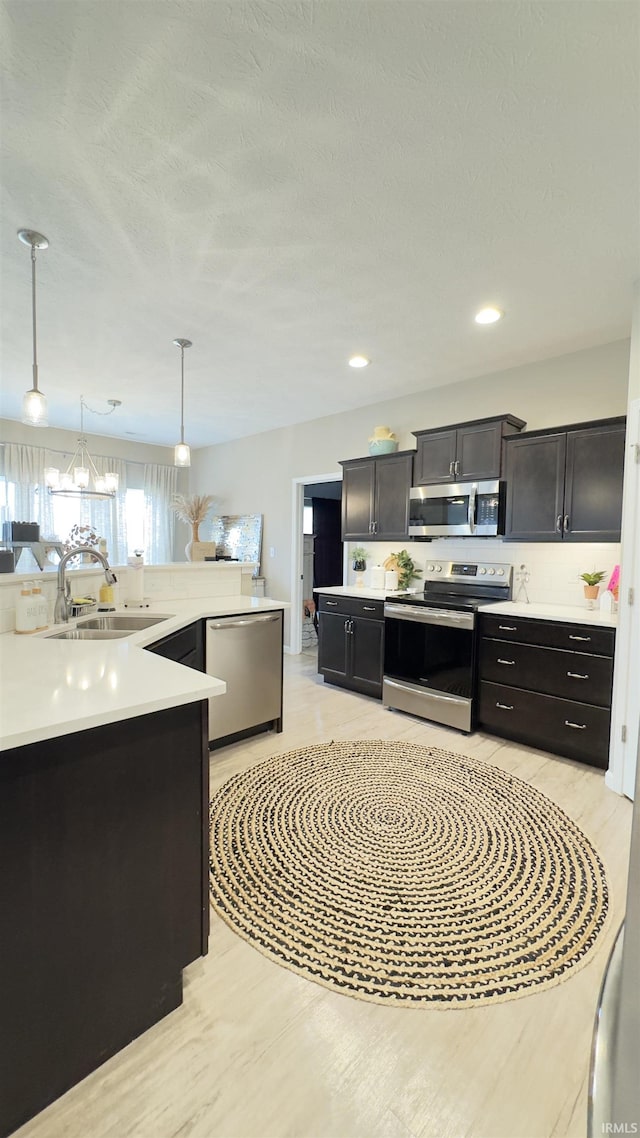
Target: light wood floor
(257,1052)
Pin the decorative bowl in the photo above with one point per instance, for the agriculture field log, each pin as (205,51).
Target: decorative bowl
(382,446)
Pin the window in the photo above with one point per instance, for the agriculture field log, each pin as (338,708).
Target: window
(307,519)
(139,517)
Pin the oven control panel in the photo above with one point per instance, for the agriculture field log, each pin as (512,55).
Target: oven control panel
(467,570)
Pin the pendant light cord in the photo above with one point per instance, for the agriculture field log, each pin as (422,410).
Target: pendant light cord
(33,311)
(182,394)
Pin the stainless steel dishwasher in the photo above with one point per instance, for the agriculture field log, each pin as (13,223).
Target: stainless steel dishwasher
(246,652)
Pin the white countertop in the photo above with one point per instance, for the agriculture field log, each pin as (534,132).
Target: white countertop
(354,591)
(569,614)
(572,614)
(53,687)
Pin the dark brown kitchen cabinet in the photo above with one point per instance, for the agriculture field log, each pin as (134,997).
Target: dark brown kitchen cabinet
(375,497)
(350,642)
(463,452)
(104,843)
(565,484)
(547,684)
(186,646)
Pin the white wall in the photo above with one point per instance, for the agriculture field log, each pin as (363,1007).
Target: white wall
(54,438)
(625,718)
(253,475)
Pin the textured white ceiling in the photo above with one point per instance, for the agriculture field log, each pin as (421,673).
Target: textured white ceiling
(286,183)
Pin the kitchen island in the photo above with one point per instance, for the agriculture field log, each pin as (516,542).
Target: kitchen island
(103,846)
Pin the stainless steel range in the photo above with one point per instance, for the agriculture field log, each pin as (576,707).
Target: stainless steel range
(430,649)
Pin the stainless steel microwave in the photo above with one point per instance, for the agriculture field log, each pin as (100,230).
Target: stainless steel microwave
(463,509)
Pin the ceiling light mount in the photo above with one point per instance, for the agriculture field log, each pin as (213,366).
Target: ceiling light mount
(34,403)
(182,451)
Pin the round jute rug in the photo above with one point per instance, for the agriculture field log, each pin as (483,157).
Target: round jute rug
(405,874)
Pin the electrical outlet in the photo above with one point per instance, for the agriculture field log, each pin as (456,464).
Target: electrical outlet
(272,551)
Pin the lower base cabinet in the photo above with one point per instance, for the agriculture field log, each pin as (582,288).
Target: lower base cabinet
(186,646)
(547,685)
(103,892)
(351,642)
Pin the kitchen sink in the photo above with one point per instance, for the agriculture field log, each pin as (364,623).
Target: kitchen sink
(90,634)
(121,622)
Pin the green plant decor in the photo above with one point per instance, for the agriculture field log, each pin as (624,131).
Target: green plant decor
(592,578)
(407,571)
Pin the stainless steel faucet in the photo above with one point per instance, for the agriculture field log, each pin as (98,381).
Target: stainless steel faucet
(63,598)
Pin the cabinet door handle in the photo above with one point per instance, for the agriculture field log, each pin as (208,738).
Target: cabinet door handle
(331,603)
(578,726)
(577,676)
(451,468)
(375,527)
(499,661)
(565,524)
(586,639)
(507,628)
(369,608)
(456,467)
(504,706)
(559,523)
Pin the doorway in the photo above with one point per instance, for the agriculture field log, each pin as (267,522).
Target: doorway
(317,552)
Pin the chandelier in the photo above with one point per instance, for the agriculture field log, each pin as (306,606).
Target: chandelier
(81,478)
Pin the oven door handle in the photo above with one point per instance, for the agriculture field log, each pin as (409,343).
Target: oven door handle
(418,615)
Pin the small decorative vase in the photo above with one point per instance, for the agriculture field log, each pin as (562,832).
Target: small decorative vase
(591,594)
(359,567)
(195,536)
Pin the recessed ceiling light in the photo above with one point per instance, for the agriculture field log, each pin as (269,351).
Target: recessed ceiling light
(488,315)
(359,361)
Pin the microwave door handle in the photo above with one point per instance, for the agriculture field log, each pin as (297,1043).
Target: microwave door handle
(472,510)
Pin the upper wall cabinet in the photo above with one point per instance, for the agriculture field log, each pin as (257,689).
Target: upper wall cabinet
(566,484)
(375,497)
(463,452)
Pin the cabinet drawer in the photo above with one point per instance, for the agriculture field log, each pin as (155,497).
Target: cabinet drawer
(571,675)
(562,726)
(550,633)
(351,606)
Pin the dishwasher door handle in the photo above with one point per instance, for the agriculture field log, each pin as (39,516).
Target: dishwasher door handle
(242,623)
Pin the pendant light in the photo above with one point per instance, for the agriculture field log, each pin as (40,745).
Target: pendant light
(182,451)
(34,403)
(81,478)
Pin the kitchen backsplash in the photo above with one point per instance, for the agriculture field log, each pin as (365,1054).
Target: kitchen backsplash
(553,569)
(182,580)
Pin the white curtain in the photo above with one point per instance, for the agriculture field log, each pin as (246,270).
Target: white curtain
(108,517)
(160,485)
(24,467)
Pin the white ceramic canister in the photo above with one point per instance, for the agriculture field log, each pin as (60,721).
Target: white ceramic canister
(26,609)
(41,608)
(377,577)
(391,580)
(135,582)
